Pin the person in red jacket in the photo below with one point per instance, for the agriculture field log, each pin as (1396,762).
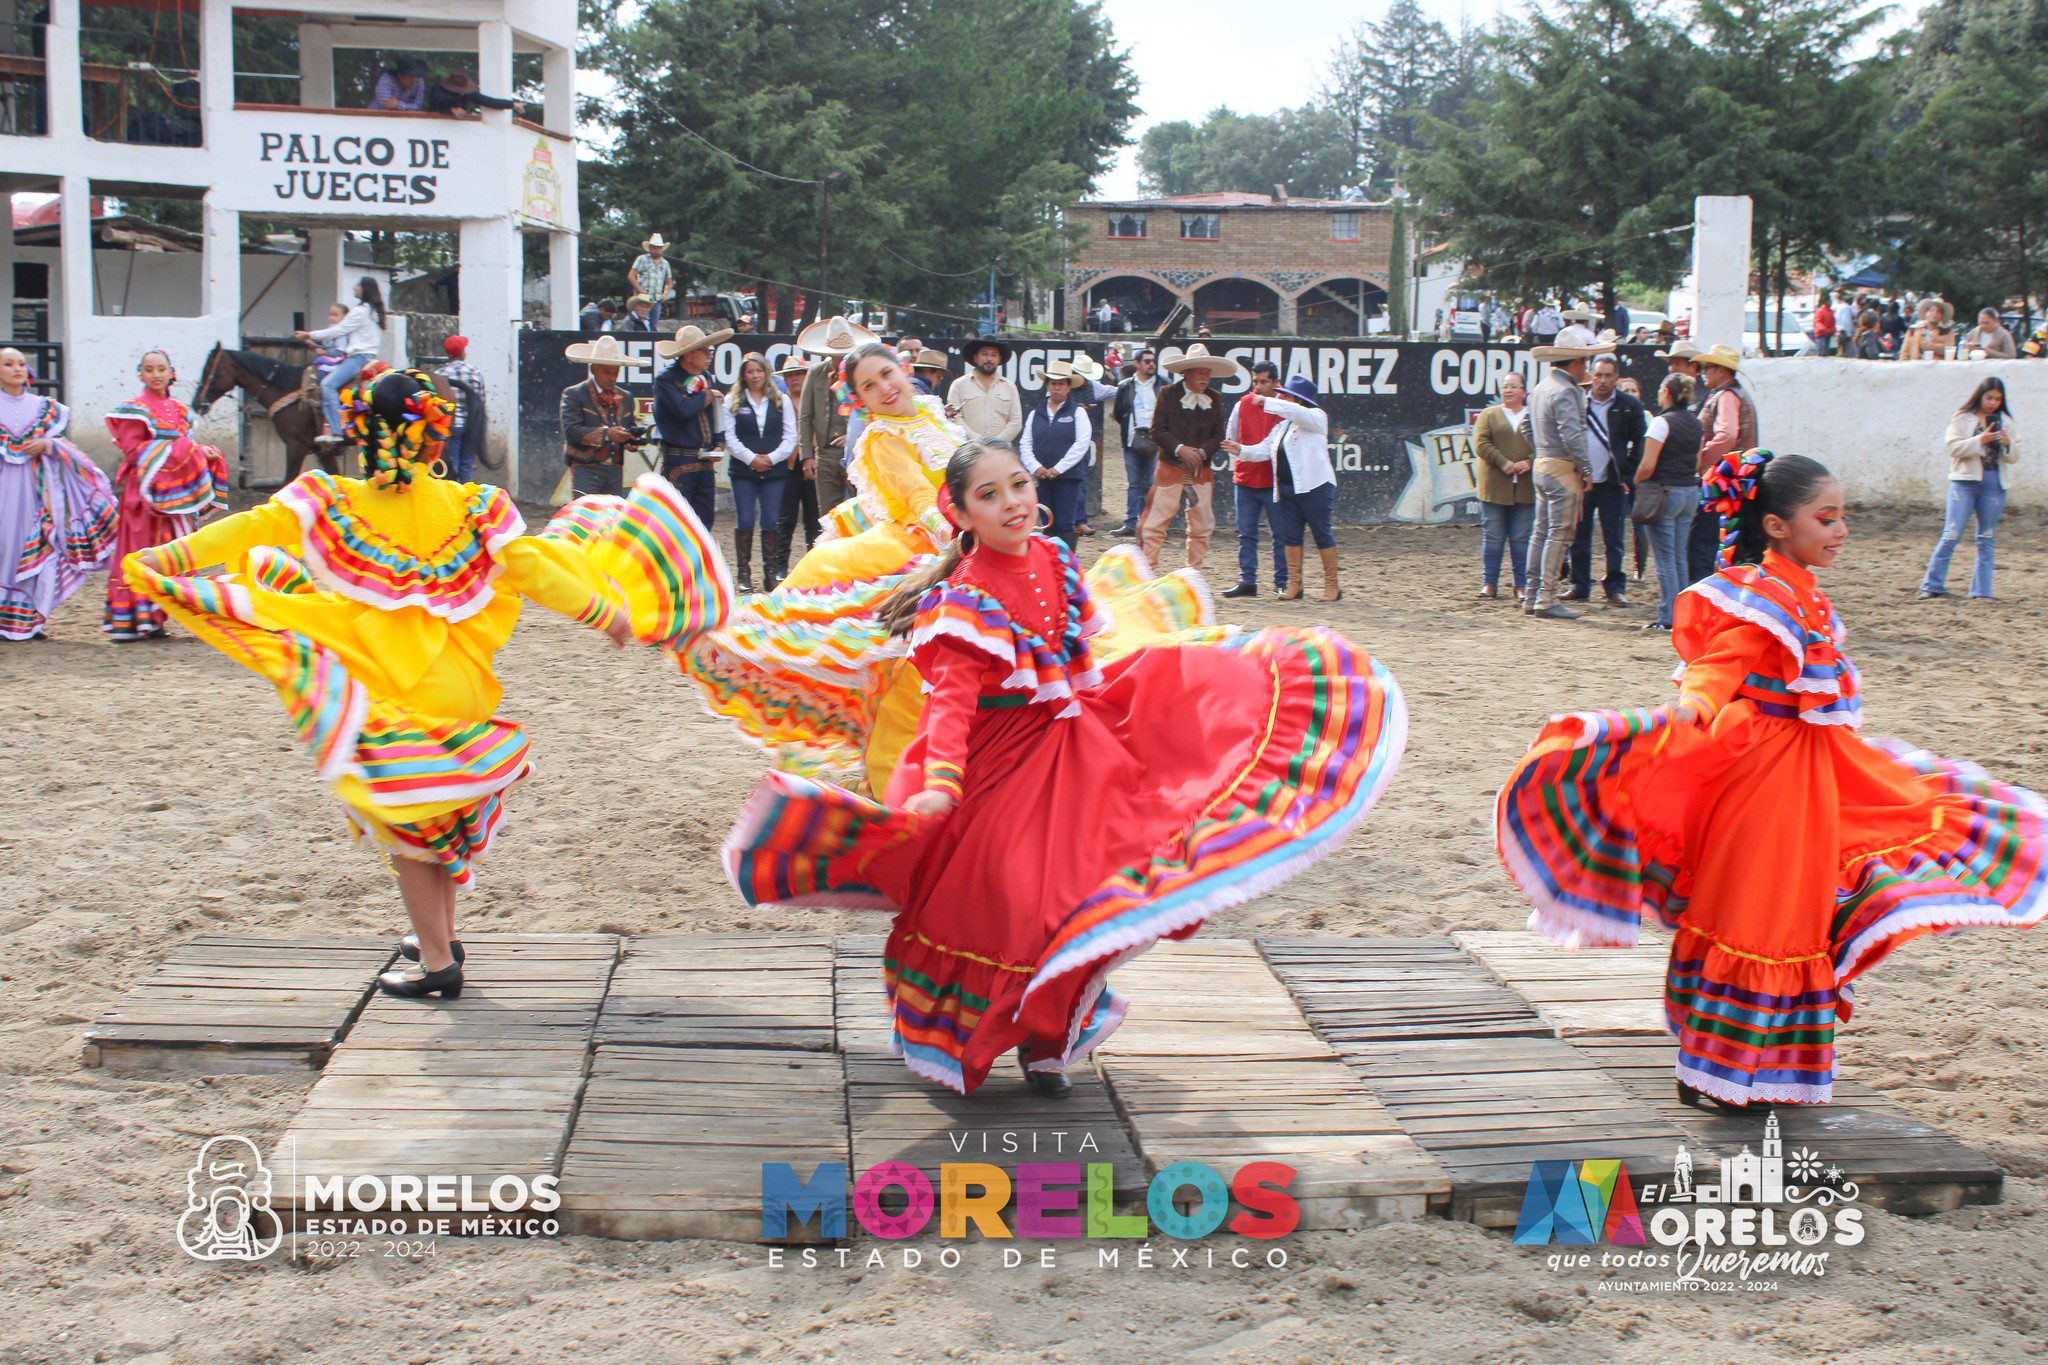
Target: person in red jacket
(1251,477)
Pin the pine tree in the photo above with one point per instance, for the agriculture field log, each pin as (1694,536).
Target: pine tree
(1300,148)
(1386,77)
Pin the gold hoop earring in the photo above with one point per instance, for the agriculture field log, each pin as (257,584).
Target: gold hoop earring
(438,467)
(1044,516)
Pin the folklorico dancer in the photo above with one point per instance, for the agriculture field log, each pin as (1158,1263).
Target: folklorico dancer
(168,481)
(1787,854)
(1055,814)
(57,510)
(374,606)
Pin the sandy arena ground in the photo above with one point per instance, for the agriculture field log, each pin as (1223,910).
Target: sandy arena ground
(155,794)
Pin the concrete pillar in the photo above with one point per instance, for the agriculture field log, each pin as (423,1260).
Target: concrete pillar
(220,280)
(61,71)
(1290,314)
(563,283)
(316,66)
(489,280)
(1720,268)
(7,255)
(71,297)
(216,70)
(326,279)
(558,77)
(494,65)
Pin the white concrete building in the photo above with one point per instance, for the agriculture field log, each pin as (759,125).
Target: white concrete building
(309,166)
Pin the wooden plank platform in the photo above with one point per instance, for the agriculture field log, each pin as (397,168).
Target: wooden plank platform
(1591,992)
(896,1115)
(226,1003)
(669,1141)
(485,1085)
(1214,1063)
(1467,1068)
(1898,1162)
(722,990)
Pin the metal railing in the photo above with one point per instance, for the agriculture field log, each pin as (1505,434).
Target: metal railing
(46,366)
(141,86)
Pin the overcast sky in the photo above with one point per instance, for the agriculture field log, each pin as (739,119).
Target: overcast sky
(1193,55)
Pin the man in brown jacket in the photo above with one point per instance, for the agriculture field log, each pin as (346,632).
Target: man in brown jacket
(1507,493)
(1188,424)
(820,426)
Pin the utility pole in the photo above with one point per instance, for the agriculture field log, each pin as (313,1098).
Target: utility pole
(825,185)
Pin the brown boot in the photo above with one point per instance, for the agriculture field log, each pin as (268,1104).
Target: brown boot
(1331,592)
(743,556)
(1293,589)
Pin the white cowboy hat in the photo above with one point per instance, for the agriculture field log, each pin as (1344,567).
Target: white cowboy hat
(1059,369)
(1197,357)
(690,337)
(794,363)
(603,351)
(1578,315)
(833,336)
(656,240)
(1681,349)
(1088,368)
(1564,355)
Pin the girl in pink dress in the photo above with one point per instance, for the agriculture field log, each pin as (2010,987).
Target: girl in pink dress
(167,482)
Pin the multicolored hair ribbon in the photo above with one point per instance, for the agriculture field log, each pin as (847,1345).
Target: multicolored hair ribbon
(392,449)
(157,350)
(842,388)
(1729,485)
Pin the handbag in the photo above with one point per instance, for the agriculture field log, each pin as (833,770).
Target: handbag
(1650,500)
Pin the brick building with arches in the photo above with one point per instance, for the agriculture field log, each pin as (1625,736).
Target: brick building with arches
(1244,263)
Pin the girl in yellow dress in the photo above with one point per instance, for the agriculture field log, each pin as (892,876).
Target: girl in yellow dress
(374,606)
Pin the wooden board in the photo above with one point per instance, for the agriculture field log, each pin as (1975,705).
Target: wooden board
(1215,1064)
(483,1086)
(1467,1067)
(722,990)
(669,1141)
(224,1003)
(1898,1162)
(896,1115)
(1591,992)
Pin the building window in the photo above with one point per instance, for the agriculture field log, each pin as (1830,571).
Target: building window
(1206,226)
(1127,225)
(1343,227)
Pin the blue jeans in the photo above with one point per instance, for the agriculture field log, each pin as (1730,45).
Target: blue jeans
(330,388)
(1505,527)
(1295,512)
(1067,499)
(1608,501)
(1138,472)
(757,500)
(1670,539)
(1984,499)
(699,488)
(1253,506)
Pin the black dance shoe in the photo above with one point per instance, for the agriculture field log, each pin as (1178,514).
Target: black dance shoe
(1699,1099)
(446,983)
(1241,590)
(1053,1085)
(409,948)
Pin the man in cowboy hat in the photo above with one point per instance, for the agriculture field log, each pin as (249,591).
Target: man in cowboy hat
(1557,428)
(652,275)
(1187,426)
(821,441)
(795,374)
(686,417)
(1578,328)
(457,92)
(597,417)
(981,400)
(1728,419)
(638,317)
(929,369)
(1682,357)
(1092,388)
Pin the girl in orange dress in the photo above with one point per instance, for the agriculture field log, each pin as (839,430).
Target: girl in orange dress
(1787,854)
(168,481)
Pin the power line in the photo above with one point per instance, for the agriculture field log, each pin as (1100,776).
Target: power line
(757,170)
(975,273)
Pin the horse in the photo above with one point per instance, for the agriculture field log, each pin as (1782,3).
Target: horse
(277,386)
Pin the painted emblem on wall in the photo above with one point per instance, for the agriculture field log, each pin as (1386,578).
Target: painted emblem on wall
(540,188)
(1440,477)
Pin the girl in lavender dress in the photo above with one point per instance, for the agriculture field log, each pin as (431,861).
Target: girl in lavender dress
(57,509)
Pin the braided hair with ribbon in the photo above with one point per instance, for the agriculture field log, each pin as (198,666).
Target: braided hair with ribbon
(399,422)
(1743,489)
(842,387)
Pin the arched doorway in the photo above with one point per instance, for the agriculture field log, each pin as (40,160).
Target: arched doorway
(1237,305)
(1339,307)
(1140,304)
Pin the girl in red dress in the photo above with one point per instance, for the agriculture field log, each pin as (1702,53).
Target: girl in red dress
(1787,854)
(1053,818)
(167,481)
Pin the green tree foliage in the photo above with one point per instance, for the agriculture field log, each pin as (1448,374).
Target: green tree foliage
(1781,114)
(956,131)
(1300,148)
(1385,79)
(1973,158)
(1576,153)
